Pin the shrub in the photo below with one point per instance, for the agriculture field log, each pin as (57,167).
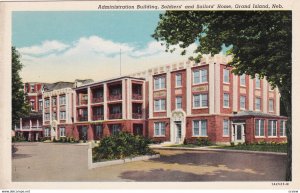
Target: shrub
(120,146)
(203,142)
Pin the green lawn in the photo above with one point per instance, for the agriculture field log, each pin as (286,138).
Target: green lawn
(257,147)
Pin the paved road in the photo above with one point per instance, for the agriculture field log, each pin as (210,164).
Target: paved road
(68,162)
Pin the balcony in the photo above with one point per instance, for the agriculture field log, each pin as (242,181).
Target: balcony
(137,96)
(97,100)
(98,117)
(36,127)
(115,97)
(82,118)
(137,115)
(115,116)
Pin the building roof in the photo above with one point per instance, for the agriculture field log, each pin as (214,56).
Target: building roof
(34,115)
(255,114)
(58,85)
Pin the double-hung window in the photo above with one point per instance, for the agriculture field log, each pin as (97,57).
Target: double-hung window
(242,102)
(200,128)
(225,127)
(259,127)
(272,128)
(62,99)
(159,104)
(257,103)
(226,78)
(159,129)
(282,128)
(159,83)
(257,82)
(62,132)
(200,100)
(199,76)
(226,100)
(62,115)
(243,80)
(178,102)
(178,80)
(271,105)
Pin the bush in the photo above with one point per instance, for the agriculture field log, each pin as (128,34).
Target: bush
(232,144)
(121,146)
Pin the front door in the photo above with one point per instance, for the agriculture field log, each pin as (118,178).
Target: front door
(178,131)
(239,133)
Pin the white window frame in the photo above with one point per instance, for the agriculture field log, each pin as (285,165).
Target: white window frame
(243,80)
(201,95)
(160,106)
(47,103)
(62,99)
(260,126)
(161,127)
(242,107)
(256,100)
(282,128)
(47,132)
(226,126)
(200,128)
(178,80)
(161,83)
(226,94)
(40,104)
(257,82)
(47,116)
(62,132)
(62,115)
(272,128)
(271,105)
(178,100)
(225,71)
(200,79)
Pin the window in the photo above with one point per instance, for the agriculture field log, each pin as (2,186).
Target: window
(160,105)
(200,128)
(282,128)
(259,127)
(98,130)
(271,105)
(54,102)
(225,127)
(257,103)
(178,80)
(226,76)
(54,117)
(200,100)
(62,115)
(47,103)
(32,105)
(243,80)
(242,102)
(116,109)
(47,116)
(178,102)
(272,127)
(257,82)
(62,132)
(116,128)
(47,132)
(62,99)
(159,129)
(159,83)
(226,100)
(32,88)
(199,76)
(40,105)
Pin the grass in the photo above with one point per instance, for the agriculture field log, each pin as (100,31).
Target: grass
(258,147)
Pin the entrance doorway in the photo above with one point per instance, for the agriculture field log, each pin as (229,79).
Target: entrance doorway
(238,133)
(178,129)
(83,133)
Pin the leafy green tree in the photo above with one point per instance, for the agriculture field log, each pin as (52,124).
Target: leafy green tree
(20,106)
(260,42)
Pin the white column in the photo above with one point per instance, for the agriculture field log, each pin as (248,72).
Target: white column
(217,88)
(129,99)
(37,124)
(105,107)
(21,126)
(168,101)
(235,93)
(89,104)
(265,95)
(277,100)
(150,81)
(75,105)
(43,110)
(188,90)
(30,123)
(211,81)
(251,90)
(123,100)
(144,101)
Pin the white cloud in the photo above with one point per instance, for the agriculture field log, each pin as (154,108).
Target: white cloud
(46,47)
(92,57)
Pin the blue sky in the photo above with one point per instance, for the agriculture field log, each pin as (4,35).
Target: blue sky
(63,46)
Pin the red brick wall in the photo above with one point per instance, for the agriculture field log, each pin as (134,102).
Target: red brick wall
(230,92)
(247,77)
(174,89)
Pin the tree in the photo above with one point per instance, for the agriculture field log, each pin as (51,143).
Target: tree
(260,42)
(19,105)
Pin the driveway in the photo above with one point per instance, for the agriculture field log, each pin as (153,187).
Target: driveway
(68,162)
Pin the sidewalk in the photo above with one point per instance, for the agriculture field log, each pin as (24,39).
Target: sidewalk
(212,148)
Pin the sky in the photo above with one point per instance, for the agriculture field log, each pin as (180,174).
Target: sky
(64,46)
